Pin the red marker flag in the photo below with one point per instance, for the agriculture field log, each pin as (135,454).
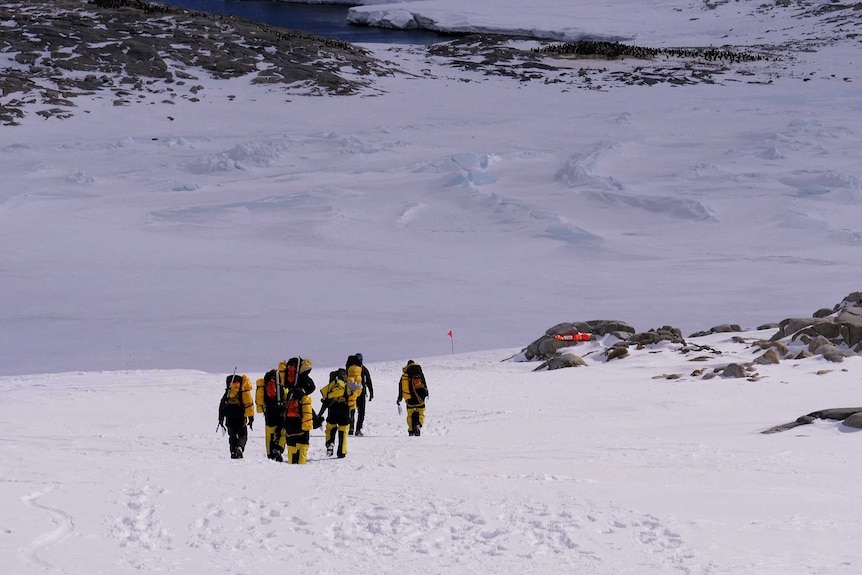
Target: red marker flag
(452,340)
(450,333)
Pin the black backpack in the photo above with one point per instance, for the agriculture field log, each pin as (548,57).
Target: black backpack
(273,390)
(231,402)
(417,380)
(288,371)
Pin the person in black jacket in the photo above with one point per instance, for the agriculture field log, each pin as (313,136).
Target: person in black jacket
(299,415)
(414,391)
(367,390)
(335,400)
(235,411)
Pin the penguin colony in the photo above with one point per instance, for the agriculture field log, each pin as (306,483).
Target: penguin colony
(615,50)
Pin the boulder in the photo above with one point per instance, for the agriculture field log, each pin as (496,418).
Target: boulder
(854,420)
(734,370)
(547,347)
(618,351)
(770,357)
(653,336)
(561,361)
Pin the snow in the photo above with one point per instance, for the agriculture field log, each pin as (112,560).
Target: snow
(224,231)
(146,251)
(609,468)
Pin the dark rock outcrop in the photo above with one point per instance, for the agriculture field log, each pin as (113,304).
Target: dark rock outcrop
(131,45)
(835,335)
(546,346)
(723,328)
(851,416)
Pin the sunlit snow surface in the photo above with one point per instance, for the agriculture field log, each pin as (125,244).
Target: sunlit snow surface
(146,250)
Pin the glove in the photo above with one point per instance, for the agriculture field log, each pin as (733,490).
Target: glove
(251,422)
(370,398)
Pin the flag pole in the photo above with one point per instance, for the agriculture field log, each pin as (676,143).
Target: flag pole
(452,340)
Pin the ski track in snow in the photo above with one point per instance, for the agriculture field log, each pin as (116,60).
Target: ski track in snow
(63,527)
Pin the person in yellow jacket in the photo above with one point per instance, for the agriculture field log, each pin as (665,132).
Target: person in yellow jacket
(298,414)
(414,391)
(269,398)
(336,402)
(235,411)
(354,384)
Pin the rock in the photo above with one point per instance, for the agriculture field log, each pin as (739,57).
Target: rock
(653,336)
(546,346)
(723,328)
(854,420)
(147,46)
(851,416)
(562,361)
(770,357)
(616,352)
(823,312)
(780,347)
(734,370)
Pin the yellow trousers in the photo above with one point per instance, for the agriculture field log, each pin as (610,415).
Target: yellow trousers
(341,431)
(297,453)
(420,417)
(281,440)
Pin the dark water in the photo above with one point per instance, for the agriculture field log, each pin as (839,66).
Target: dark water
(328,20)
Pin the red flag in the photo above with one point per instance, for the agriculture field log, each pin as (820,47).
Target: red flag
(450,333)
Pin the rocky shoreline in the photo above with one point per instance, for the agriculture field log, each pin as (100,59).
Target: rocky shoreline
(134,51)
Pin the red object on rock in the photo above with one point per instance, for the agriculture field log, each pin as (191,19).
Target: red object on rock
(577,336)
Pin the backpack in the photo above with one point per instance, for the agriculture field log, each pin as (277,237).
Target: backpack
(293,408)
(340,391)
(354,373)
(289,371)
(414,371)
(232,399)
(273,391)
(417,380)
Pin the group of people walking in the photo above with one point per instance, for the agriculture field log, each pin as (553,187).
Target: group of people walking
(283,396)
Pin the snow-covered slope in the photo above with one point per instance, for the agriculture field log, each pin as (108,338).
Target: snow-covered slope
(608,469)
